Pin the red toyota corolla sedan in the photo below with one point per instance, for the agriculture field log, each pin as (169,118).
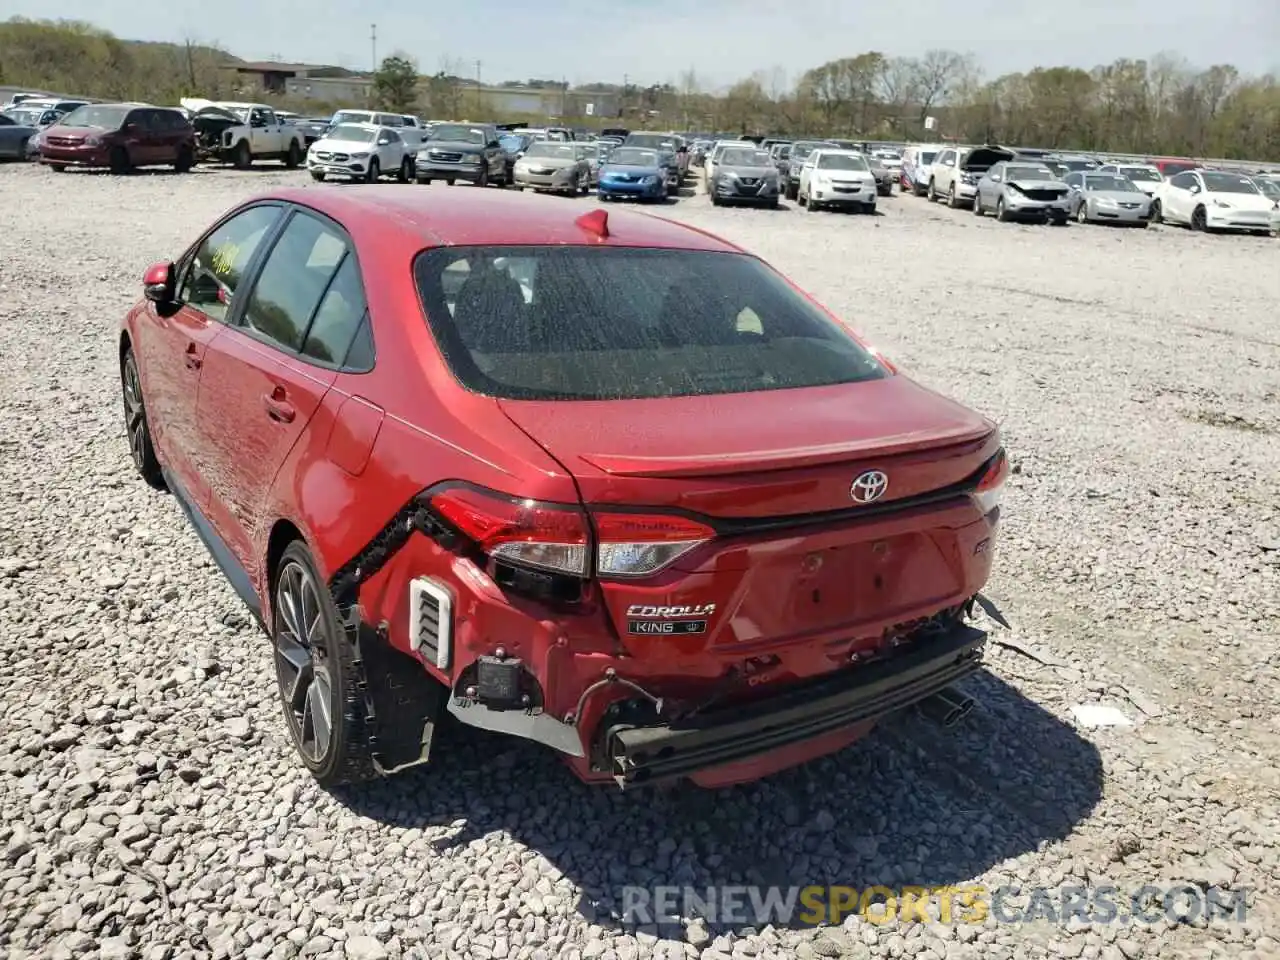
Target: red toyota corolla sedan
(601,481)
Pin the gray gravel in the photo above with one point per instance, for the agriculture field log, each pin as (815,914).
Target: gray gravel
(150,805)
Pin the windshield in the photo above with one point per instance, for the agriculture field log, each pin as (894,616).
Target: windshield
(801,150)
(745,157)
(513,144)
(634,157)
(926,158)
(352,116)
(1228,183)
(551,149)
(1028,173)
(352,133)
(592,323)
(1141,173)
(1110,182)
(458,133)
(1173,169)
(841,161)
(27,118)
(651,140)
(1269,188)
(102,117)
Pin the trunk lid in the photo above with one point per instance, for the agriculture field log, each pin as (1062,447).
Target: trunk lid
(795,557)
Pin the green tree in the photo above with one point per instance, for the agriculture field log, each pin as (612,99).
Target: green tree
(395,84)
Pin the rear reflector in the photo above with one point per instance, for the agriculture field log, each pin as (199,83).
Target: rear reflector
(558,538)
(990,489)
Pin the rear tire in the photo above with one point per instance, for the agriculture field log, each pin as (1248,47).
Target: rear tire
(137,426)
(316,674)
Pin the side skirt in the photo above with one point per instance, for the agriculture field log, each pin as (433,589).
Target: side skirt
(236,574)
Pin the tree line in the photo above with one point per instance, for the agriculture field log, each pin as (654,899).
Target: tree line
(1161,105)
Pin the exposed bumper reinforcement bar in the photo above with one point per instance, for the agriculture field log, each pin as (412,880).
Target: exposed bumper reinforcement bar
(655,753)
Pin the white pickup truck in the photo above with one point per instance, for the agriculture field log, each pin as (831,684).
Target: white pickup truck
(241,133)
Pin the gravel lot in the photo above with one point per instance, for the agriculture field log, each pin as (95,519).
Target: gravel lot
(150,804)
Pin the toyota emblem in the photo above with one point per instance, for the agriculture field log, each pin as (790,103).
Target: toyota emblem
(869,486)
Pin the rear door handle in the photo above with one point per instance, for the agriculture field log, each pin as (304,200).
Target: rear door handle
(278,409)
(193,357)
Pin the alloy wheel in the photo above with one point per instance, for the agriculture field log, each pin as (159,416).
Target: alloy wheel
(135,415)
(302,661)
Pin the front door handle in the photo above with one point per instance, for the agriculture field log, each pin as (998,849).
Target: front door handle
(278,408)
(193,357)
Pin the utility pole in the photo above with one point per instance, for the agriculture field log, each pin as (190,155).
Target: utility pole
(479,95)
(373,43)
(626,78)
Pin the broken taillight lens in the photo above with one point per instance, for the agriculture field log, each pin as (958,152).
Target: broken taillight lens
(557,537)
(529,533)
(990,489)
(637,545)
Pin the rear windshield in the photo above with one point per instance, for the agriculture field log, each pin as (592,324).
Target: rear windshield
(584,323)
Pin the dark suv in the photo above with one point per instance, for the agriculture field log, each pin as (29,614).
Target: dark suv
(120,136)
(462,151)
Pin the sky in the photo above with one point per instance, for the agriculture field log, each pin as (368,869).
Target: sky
(656,41)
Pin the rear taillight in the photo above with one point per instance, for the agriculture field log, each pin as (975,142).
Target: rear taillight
(558,538)
(637,545)
(528,533)
(990,489)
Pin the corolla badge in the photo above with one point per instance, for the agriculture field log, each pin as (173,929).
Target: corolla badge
(869,486)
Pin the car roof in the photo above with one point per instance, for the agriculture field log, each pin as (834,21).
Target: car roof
(496,217)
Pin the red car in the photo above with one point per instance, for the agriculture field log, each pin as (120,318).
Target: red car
(601,481)
(120,137)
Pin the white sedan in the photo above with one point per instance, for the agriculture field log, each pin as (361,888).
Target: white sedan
(361,151)
(1214,200)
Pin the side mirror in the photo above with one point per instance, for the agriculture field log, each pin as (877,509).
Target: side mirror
(157,283)
(132,128)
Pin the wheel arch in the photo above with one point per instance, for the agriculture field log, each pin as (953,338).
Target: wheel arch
(283,533)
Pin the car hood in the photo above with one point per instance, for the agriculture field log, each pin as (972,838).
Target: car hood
(1245,201)
(58,130)
(983,157)
(608,168)
(847,174)
(1119,196)
(346,146)
(765,171)
(553,162)
(454,146)
(207,108)
(1038,184)
(725,434)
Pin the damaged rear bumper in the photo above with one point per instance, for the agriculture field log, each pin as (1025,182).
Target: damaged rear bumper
(859,695)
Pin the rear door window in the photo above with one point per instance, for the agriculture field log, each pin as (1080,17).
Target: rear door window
(583,323)
(293,281)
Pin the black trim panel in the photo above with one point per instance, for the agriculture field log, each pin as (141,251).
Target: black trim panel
(236,574)
(651,754)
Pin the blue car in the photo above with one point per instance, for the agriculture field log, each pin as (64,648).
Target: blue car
(633,172)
